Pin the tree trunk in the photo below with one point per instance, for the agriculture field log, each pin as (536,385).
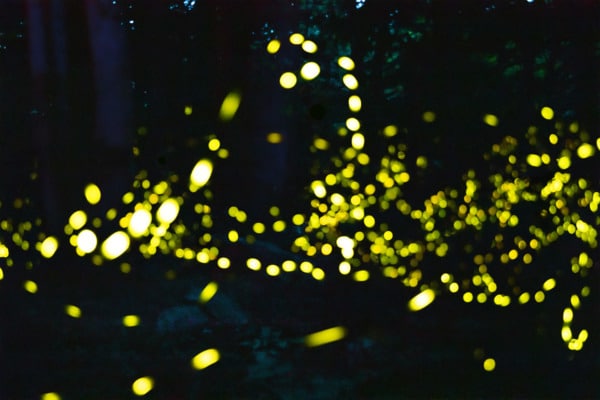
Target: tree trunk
(113,100)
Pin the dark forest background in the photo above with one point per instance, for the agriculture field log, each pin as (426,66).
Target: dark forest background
(95,91)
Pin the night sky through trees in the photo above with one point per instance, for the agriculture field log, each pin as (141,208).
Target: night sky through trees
(299,200)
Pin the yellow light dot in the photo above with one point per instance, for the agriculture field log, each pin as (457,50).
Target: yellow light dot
(553,138)
(337,199)
(363,159)
(161,187)
(326,249)
(321,143)
(563,162)
(205,358)
(253,264)
(358,141)
(501,300)
(87,241)
(30,286)
(583,259)
(131,320)
(585,150)
(539,296)
(534,160)
(549,284)
(468,297)
(92,193)
(428,116)
(390,130)
(274,137)
(50,396)
(585,291)
(350,81)
(142,386)
(306,267)
(575,345)
(168,211)
(353,124)
(361,276)
(223,153)
(78,219)
(565,333)
(489,364)
(547,113)
(273,46)
(453,287)
(115,245)
(310,70)
(258,227)
(273,270)
(127,198)
(344,268)
(288,80)
(230,106)
(490,120)
(318,189)
(208,292)
(223,262)
(139,222)
(574,127)
(202,257)
(309,46)
(403,177)
(421,300)
(298,219)
(200,174)
(296,38)
(524,298)
(575,302)
(187,110)
(325,336)
(49,247)
(413,248)
(288,266)
(4,252)
(233,236)
(354,103)
(567,315)
(73,311)
(214,144)
(346,63)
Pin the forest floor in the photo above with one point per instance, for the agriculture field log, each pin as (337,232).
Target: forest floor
(259,324)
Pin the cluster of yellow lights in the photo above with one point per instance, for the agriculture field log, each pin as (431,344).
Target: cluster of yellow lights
(349,197)
(309,71)
(341,199)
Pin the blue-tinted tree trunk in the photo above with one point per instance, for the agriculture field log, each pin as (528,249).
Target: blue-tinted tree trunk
(112,136)
(81,102)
